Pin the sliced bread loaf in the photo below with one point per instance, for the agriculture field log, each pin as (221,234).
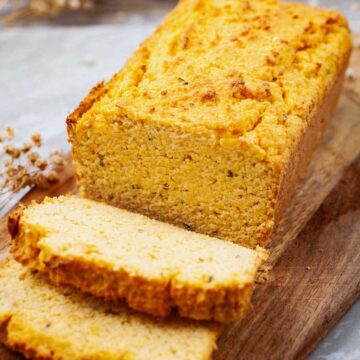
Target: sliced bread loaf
(115,254)
(45,322)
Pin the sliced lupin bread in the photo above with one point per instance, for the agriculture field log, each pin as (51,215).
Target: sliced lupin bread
(115,254)
(210,123)
(46,322)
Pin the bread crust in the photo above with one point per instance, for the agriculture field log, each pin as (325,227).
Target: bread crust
(85,105)
(154,297)
(28,352)
(307,142)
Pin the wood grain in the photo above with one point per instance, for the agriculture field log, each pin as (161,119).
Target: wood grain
(311,286)
(316,273)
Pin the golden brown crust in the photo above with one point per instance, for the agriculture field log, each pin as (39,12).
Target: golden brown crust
(28,352)
(307,142)
(154,297)
(16,231)
(13,223)
(94,95)
(19,346)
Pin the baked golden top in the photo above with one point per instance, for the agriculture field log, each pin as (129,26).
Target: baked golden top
(252,69)
(129,251)
(46,322)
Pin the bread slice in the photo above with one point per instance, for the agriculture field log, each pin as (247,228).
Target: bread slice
(211,121)
(115,254)
(45,322)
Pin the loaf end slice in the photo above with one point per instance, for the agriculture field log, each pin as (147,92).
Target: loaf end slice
(154,266)
(46,322)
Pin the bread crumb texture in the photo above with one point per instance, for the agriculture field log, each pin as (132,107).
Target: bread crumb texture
(116,254)
(201,125)
(46,322)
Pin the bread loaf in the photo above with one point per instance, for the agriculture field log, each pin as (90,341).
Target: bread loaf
(211,121)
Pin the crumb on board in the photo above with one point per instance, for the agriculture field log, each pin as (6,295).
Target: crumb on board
(263,273)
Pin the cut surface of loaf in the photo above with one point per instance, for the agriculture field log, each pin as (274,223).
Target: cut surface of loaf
(46,322)
(115,254)
(211,121)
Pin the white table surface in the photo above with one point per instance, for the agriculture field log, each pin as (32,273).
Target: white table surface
(45,70)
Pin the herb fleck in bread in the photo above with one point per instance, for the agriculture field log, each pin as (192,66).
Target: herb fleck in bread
(211,121)
(45,322)
(115,254)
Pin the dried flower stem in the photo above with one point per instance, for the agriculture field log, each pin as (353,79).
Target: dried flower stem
(22,166)
(42,8)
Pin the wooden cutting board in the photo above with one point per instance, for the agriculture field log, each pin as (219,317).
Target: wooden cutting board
(316,262)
